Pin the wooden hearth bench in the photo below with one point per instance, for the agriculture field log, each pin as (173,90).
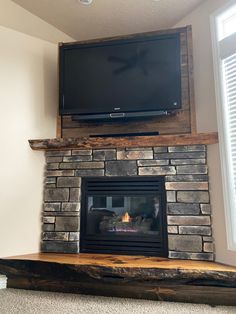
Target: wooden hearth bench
(152,278)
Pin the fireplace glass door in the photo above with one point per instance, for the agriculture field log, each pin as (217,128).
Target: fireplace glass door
(123,215)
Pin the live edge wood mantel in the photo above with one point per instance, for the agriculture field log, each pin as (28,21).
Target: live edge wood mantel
(124,141)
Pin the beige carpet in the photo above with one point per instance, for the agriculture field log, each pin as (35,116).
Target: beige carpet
(33,302)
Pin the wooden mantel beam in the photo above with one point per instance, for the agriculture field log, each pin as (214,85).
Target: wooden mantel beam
(124,141)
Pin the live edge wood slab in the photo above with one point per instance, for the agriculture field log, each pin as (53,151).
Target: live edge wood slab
(123,276)
(124,141)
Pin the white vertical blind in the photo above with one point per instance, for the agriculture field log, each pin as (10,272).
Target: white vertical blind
(224,52)
(229,80)
(228,59)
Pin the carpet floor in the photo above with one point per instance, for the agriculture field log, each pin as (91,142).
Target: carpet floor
(14,301)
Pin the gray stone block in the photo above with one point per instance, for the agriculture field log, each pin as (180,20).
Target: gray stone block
(183,209)
(200,230)
(104,154)
(193,197)
(81,152)
(48,220)
(192,256)
(68,182)
(50,186)
(205,209)
(170,196)
(74,194)
(90,165)
(121,168)
(68,165)
(158,171)
(55,236)
(70,207)
(188,148)
(192,169)
(185,243)
(48,227)
(187,178)
(60,173)
(172,229)
(150,163)
(50,180)
(160,149)
(208,239)
(208,247)
(89,172)
(82,165)
(58,153)
(67,224)
(189,220)
(52,166)
(53,159)
(183,186)
(74,236)
(62,213)
(188,161)
(59,247)
(77,158)
(196,155)
(134,155)
(52,207)
(56,195)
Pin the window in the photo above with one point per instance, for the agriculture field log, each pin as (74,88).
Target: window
(224,54)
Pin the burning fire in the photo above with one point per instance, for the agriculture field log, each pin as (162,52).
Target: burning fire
(126,217)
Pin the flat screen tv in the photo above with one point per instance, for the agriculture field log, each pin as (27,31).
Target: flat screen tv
(121,78)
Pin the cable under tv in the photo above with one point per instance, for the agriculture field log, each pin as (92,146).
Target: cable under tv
(126,134)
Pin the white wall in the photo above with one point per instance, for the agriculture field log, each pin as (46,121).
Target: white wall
(28,104)
(28,109)
(206,115)
(15,17)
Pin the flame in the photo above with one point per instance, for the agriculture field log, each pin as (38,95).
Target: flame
(126,217)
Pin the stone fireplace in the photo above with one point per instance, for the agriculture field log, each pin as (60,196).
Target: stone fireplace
(185,174)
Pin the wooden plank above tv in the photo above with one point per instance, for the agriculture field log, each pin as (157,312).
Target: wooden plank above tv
(183,121)
(124,141)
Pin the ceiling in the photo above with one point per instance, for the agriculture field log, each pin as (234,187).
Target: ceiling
(104,18)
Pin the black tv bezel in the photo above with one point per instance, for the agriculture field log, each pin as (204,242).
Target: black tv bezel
(114,115)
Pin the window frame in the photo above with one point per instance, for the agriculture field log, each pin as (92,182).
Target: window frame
(224,141)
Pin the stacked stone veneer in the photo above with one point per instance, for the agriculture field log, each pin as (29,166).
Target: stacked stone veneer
(186,182)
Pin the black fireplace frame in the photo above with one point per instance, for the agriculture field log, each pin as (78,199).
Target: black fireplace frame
(121,244)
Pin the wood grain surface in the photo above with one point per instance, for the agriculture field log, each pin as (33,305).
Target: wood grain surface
(122,142)
(112,260)
(123,276)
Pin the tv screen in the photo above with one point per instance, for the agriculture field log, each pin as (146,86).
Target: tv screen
(121,78)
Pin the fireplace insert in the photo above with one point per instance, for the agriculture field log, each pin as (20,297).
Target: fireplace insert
(124,216)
